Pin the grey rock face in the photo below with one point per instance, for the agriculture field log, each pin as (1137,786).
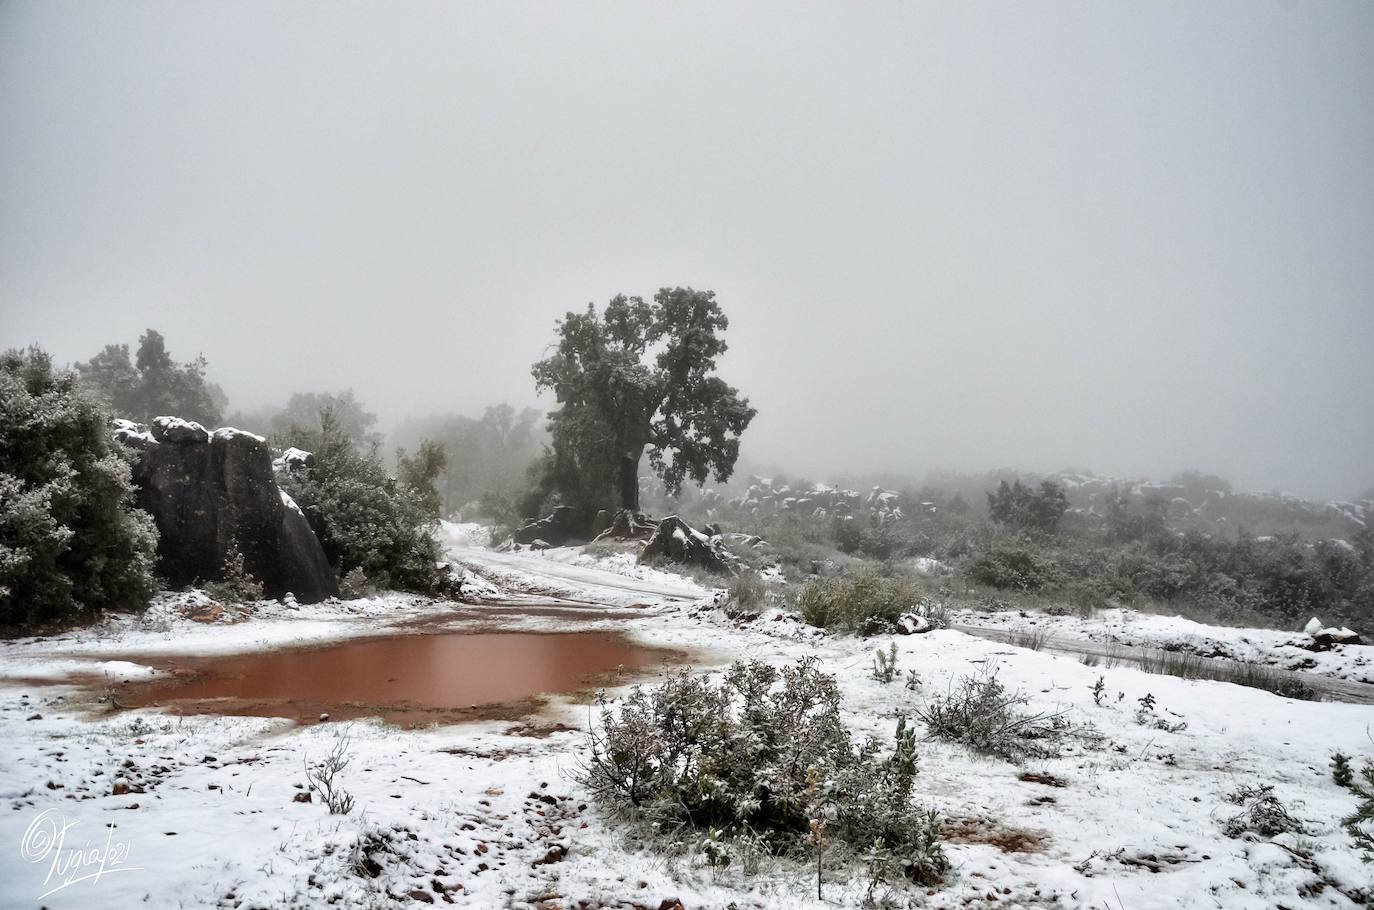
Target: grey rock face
(674,539)
(208,492)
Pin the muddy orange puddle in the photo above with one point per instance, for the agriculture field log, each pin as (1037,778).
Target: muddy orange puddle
(406,679)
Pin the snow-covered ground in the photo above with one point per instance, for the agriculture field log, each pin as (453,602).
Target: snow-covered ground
(201,811)
(568,573)
(1174,633)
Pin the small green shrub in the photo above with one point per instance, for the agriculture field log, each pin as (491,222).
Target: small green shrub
(1341,771)
(763,752)
(1012,568)
(885,664)
(1360,823)
(867,604)
(235,585)
(1145,716)
(355,584)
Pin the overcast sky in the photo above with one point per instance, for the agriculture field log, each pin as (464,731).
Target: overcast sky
(1127,237)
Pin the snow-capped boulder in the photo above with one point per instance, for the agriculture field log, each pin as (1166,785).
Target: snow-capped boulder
(294,459)
(912,624)
(675,540)
(210,491)
(133,435)
(174,429)
(1326,639)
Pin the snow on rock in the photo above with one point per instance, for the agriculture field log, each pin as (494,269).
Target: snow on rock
(1326,639)
(226,479)
(132,434)
(290,503)
(293,459)
(232,432)
(912,624)
(175,429)
(675,540)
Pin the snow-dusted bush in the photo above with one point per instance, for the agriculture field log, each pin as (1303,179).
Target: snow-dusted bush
(71,541)
(1261,813)
(746,593)
(363,518)
(865,603)
(981,714)
(763,752)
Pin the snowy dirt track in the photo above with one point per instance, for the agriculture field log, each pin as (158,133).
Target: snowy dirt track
(569,574)
(203,811)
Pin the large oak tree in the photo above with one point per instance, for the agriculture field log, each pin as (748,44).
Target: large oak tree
(640,376)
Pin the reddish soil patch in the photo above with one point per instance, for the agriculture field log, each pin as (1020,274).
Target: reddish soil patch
(987,831)
(410,680)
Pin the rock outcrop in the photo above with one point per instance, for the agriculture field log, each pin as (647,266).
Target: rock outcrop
(209,492)
(675,540)
(1325,638)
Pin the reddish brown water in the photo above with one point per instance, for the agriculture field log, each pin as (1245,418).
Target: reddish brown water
(407,679)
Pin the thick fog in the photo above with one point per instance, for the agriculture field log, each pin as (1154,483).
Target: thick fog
(1131,239)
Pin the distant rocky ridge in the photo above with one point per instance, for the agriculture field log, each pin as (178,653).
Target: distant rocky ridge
(1199,501)
(1205,500)
(209,492)
(764,497)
